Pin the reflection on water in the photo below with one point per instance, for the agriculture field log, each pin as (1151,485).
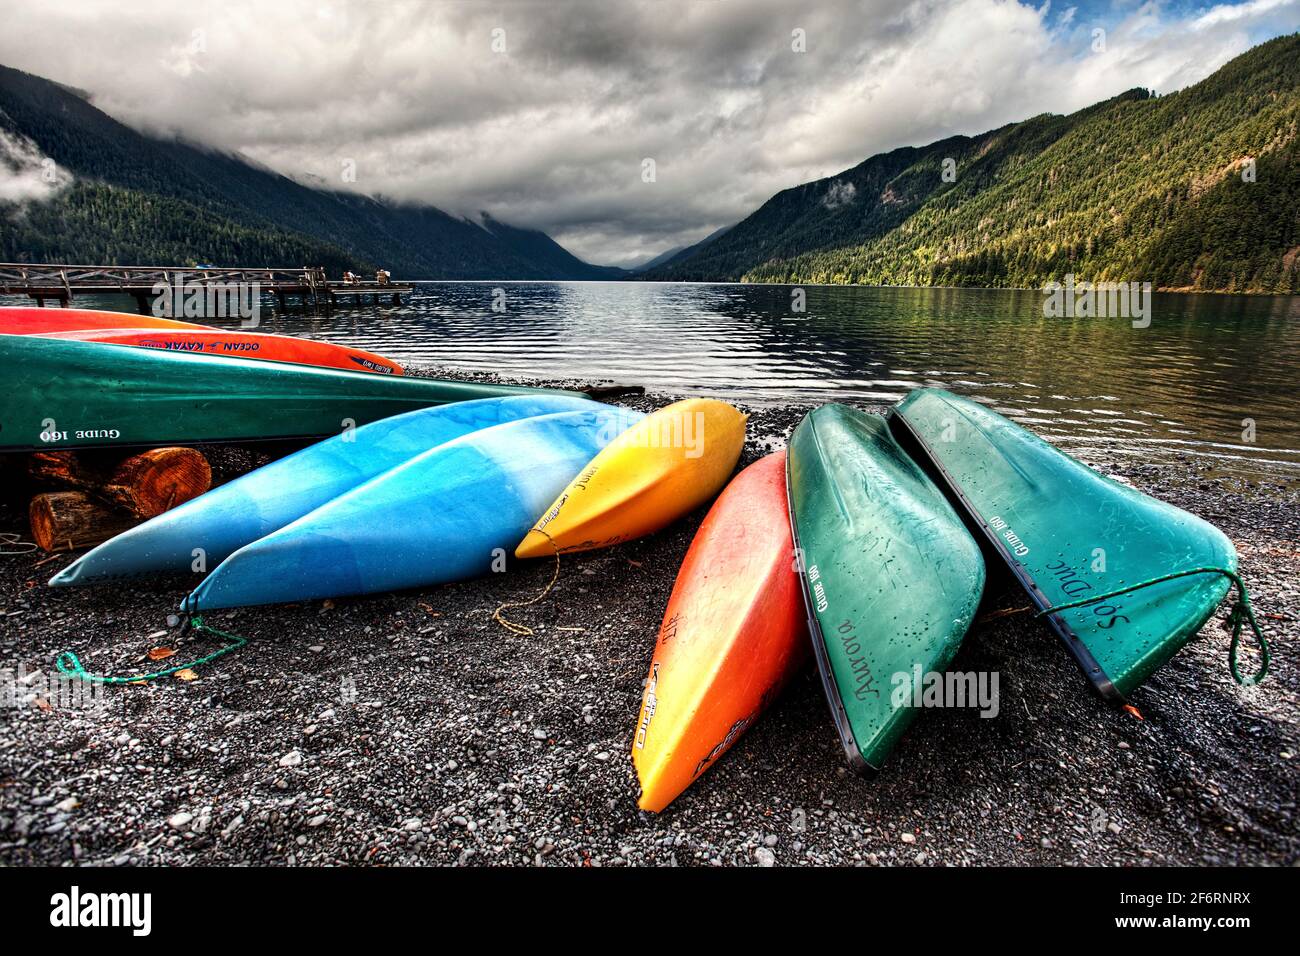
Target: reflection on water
(1189,382)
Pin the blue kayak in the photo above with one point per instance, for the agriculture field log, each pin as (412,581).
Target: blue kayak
(445,515)
(252,506)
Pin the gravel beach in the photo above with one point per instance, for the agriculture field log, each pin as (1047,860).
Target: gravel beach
(412,728)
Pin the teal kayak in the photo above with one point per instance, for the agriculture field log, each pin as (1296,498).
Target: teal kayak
(60,393)
(891,576)
(201,533)
(1071,535)
(453,512)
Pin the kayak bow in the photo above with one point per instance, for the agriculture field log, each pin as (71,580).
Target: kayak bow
(732,635)
(1068,533)
(660,469)
(890,575)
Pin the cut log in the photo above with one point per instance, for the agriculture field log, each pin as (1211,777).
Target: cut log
(67,520)
(65,469)
(156,481)
(144,485)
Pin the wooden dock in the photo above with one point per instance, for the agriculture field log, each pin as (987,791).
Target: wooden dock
(62,283)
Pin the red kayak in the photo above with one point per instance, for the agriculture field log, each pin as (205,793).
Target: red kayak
(147,331)
(28,320)
(239,344)
(733,634)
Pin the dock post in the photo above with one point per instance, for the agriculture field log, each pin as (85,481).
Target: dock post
(142,302)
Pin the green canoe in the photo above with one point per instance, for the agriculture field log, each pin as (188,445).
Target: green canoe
(1069,534)
(890,574)
(61,393)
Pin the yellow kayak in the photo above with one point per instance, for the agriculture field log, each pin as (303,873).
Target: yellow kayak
(665,466)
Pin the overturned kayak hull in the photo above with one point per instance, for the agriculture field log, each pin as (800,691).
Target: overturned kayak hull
(1067,533)
(669,464)
(25,320)
(732,635)
(199,534)
(245,345)
(890,576)
(450,513)
(67,394)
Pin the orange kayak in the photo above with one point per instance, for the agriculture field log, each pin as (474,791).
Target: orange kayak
(733,634)
(240,344)
(28,320)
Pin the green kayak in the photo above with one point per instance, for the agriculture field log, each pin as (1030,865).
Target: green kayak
(1070,535)
(890,574)
(61,393)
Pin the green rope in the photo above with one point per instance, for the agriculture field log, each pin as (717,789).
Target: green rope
(1241,614)
(68,662)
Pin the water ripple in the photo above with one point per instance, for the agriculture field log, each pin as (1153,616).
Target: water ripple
(1195,381)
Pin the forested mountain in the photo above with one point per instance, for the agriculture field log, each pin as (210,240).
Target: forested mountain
(1137,188)
(140,200)
(1199,189)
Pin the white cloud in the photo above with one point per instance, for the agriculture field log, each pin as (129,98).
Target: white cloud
(552,133)
(1233,12)
(27,175)
(840,193)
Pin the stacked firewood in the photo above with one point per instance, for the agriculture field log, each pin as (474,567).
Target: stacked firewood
(94,498)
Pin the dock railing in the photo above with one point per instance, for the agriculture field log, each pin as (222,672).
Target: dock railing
(61,283)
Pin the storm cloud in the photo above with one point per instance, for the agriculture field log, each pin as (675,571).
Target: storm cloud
(543,113)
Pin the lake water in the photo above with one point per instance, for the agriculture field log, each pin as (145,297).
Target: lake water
(1094,386)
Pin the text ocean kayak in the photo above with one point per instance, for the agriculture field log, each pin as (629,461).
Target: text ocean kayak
(25,320)
(672,462)
(203,532)
(732,635)
(1067,532)
(65,394)
(240,344)
(890,575)
(450,513)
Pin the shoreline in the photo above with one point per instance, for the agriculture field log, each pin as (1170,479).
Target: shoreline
(1174,290)
(460,742)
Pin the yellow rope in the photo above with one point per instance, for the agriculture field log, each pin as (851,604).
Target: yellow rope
(523,630)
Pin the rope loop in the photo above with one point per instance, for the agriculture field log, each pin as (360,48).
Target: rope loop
(11,543)
(1242,613)
(69,663)
(523,630)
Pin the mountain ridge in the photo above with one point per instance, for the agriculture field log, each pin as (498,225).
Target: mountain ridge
(1135,188)
(1195,190)
(136,198)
